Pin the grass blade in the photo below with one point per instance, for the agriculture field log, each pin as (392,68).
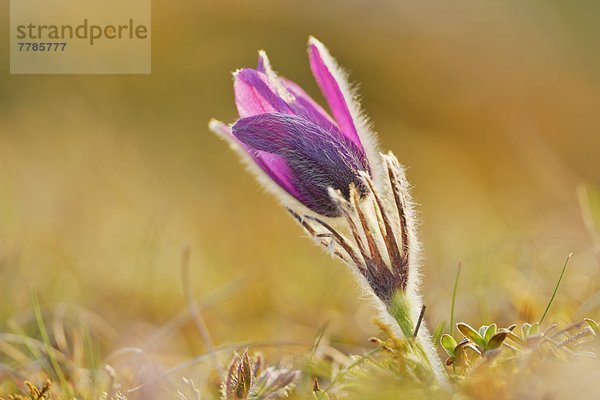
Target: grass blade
(49,347)
(556,288)
(454,298)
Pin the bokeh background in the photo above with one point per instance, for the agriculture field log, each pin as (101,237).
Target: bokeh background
(493,106)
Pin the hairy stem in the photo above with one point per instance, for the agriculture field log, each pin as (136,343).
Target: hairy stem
(401,310)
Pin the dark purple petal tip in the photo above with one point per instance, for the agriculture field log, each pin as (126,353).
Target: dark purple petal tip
(318,159)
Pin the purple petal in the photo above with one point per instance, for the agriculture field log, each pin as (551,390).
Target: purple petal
(318,159)
(277,169)
(253,95)
(300,102)
(274,166)
(306,106)
(332,92)
(260,65)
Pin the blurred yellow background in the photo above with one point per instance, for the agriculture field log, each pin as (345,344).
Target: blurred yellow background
(493,106)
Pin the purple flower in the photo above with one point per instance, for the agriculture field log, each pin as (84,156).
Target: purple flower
(330,165)
(292,139)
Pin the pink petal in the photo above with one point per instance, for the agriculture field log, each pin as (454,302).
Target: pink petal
(274,166)
(299,101)
(322,66)
(254,95)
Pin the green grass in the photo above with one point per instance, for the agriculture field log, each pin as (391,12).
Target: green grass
(487,363)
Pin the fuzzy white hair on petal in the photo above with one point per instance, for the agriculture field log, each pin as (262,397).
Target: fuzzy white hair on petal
(223,131)
(273,78)
(362,123)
